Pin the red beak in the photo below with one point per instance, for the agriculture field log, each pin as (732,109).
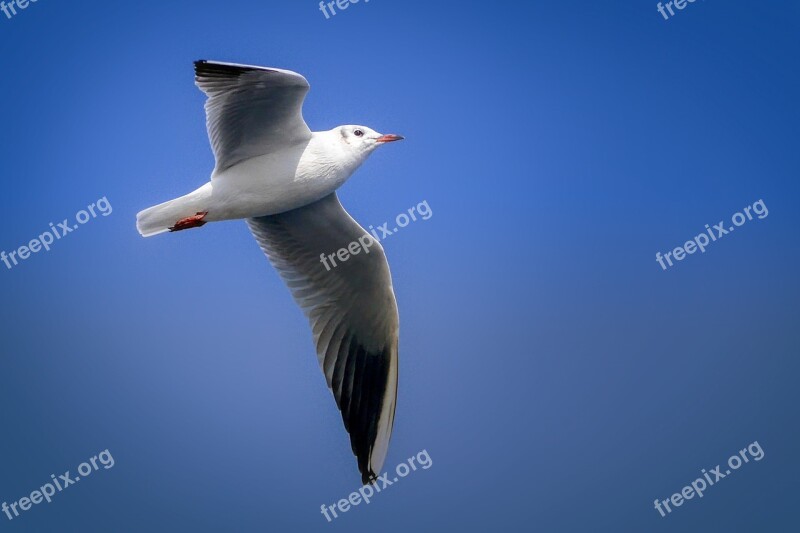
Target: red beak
(389,138)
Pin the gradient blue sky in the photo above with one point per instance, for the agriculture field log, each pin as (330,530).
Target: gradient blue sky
(558,378)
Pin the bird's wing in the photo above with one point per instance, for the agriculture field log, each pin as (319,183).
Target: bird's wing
(352,311)
(251,111)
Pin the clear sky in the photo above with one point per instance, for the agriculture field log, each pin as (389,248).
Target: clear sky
(559,378)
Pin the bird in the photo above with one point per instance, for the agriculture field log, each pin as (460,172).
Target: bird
(274,172)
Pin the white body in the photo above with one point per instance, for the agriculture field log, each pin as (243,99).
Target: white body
(265,185)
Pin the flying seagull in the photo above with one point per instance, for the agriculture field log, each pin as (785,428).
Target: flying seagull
(273,171)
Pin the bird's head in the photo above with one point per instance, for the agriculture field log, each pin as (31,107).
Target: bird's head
(364,140)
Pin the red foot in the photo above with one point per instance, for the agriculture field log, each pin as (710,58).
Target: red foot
(190,222)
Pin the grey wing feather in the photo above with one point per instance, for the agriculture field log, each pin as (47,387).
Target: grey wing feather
(353,315)
(251,111)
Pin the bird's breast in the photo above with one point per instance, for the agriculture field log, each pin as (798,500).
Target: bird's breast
(274,183)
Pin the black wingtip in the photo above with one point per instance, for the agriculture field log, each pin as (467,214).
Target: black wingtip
(200,67)
(204,68)
(368,477)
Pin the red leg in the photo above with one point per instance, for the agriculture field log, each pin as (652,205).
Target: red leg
(195,221)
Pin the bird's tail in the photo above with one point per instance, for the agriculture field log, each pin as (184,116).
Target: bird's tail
(161,218)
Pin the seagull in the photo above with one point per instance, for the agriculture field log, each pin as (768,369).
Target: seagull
(281,177)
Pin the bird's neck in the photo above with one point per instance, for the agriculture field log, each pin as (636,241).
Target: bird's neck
(334,155)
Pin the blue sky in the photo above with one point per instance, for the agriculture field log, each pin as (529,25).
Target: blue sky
(559,379)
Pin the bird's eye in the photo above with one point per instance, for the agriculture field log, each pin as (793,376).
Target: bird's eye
(358,133)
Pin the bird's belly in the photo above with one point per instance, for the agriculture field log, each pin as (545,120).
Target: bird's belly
(266,185)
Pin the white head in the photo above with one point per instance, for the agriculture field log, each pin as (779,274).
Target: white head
(363,140)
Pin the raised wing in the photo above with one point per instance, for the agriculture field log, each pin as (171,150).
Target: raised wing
(353,314)
(251,111)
